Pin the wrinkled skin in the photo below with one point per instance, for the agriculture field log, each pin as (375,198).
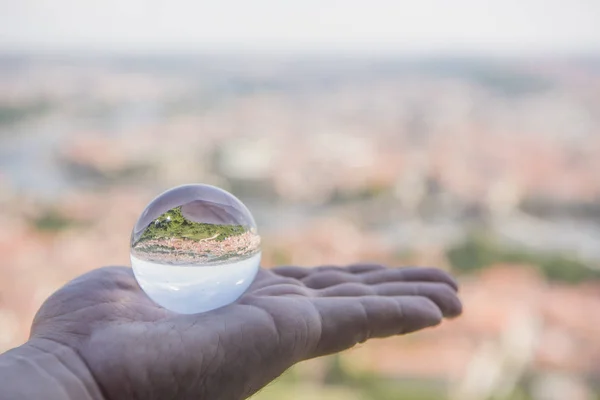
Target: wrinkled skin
(136,350)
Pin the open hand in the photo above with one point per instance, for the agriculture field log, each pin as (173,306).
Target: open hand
(135,349)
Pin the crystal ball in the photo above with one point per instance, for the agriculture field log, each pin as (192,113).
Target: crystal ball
(195,248)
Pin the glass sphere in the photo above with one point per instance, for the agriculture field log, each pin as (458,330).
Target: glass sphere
(195,248)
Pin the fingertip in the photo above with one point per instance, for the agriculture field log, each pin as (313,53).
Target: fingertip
(446,298)
(420,313)
(455,309)
(434,315)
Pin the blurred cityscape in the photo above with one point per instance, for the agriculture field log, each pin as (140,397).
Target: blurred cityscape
(486,167)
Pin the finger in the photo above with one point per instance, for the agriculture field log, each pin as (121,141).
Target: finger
(97,289)
(291,271)
(346,321)
(300,272)
(266,278)
(410,274)
(357,268)
(441,294)
(361,268)
(284,289)
(263,275)
(329,278)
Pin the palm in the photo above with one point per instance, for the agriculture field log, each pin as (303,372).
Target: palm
(135,349)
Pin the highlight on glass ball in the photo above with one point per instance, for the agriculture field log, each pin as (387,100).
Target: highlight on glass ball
(195,248)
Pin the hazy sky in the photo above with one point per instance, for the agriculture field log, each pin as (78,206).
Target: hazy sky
(323,25)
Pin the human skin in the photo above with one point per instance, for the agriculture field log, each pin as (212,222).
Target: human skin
(100,337)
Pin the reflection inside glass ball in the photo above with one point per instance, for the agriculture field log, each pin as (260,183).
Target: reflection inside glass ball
(195,248)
